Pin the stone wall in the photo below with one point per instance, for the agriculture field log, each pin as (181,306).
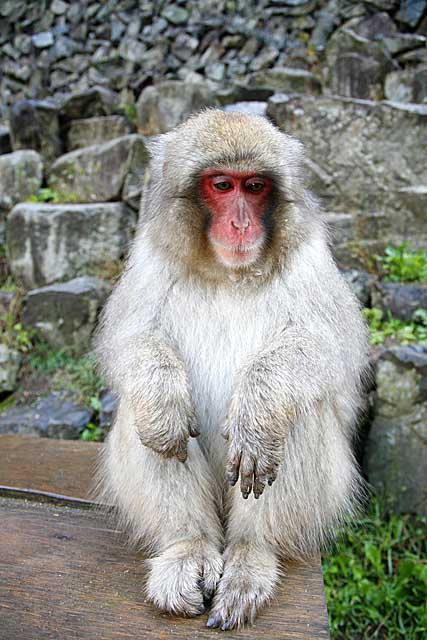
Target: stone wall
(365,49)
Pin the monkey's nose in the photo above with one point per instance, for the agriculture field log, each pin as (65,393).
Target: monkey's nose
(240,226)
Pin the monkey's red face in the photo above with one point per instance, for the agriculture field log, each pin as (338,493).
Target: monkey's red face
(238,204)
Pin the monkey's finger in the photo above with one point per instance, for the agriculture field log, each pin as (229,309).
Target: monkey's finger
(259,485)
(181,452)
(232,470)
(246,475)
(193,429)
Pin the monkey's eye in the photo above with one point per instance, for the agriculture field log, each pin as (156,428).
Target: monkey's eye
(223,185)
(255,186)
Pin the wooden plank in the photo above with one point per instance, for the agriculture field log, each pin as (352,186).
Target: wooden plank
(65,574)
(62,467)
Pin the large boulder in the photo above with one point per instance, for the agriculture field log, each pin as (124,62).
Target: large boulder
(65,314)
(90,131)
(285,80)
(34,125)
(21,175)
(97,173)
(57,415)
(363,157)
(356,66)
(163,106)
(47,242)
(10,361)
(396,451)
(94,102)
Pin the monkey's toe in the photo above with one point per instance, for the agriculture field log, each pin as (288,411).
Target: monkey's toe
(182,577)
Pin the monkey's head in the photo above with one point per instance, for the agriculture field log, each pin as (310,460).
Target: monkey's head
(224,193)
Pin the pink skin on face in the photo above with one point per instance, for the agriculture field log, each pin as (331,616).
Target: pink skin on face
(237,202)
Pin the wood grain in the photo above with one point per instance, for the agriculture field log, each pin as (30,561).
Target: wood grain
(65,574)
(63,467)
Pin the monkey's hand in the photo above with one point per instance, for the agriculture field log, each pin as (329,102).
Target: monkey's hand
(255,442)
(161,403)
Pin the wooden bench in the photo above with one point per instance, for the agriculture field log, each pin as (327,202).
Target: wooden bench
(65,572)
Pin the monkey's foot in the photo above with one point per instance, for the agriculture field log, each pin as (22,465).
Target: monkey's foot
(183,576)
(244,588)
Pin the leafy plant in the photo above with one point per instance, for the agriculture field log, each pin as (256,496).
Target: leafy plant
(68,370)
(52,196)
(376,580)
(92,433)
(402,264)
(405,332)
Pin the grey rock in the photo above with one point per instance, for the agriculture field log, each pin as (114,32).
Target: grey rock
(402,42)
(398,85)
(21,174)
(90,131)
(109,405)
(360,282)
(5,146)
(97,101)
(215,71)
(396,451)
(175,15)
(356,66)
(132,50)
(286,80)
(400,299)
(46,243)
(10,361)
(43,39)
(184,46)
(65,314)
(352,141)
(56,415)
(164,106)
(97,173)
(411,12)
(264,59)
(327,21)
(375,27)
(34,125)
(58,7)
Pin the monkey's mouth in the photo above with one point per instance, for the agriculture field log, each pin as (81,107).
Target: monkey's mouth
(238,254)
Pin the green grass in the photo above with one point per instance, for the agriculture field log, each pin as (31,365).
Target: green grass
(376,580)
(52,196)
(68,370)
(382,327)
(402,264)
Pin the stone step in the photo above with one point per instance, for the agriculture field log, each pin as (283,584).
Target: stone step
(48,242)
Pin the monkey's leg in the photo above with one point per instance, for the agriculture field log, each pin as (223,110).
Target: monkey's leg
(169,506)
(251,567)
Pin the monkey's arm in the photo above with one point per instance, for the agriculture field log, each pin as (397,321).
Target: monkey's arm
(164,414)
(285,381)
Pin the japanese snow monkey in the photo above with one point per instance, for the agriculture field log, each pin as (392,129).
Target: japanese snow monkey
(238,354)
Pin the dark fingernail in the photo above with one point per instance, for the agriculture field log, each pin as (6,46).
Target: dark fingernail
(226,626)
(256,495)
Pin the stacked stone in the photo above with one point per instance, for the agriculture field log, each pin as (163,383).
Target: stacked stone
(372,48)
